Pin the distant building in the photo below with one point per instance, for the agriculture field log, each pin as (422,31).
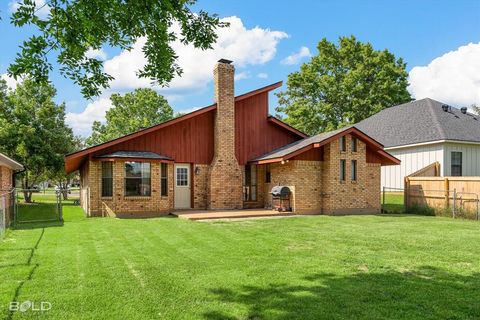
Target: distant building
(422,132)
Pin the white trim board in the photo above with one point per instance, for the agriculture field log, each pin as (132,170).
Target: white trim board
(430,142)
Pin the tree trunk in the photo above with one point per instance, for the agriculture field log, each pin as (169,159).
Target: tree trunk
(27,194)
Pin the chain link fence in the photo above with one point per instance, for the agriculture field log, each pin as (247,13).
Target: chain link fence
(416,200)
(32,206)
(7,204)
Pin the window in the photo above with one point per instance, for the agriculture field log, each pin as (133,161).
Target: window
(250,183)
(268,174)
(164,179)
(137,179)
(342,169)
(182,177)
(353,170)
(456,163)
(354,144)
(343,144)
(107,179)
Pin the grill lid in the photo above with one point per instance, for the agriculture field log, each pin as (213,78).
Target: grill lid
(280,191)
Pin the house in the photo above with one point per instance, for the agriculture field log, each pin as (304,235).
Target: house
(8,167)
(423,132)
(228,156)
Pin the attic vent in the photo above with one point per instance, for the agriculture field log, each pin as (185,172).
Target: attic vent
(463,110)
(445,107)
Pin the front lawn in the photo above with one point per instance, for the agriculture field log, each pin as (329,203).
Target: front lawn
(353,267)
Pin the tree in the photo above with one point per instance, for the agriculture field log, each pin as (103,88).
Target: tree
(59,175)
(33,131)
(135,110)
(72,28)
(342,85)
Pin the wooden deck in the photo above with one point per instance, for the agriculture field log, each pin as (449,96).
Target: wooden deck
(229,214)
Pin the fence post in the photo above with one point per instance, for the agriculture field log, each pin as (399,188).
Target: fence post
(454,202)
(406,185)
(447,192)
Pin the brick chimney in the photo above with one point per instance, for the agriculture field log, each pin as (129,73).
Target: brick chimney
(225,174)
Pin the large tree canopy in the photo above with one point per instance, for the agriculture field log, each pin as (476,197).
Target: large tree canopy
(131,112)
(342,85)
(33,130)
(73,27)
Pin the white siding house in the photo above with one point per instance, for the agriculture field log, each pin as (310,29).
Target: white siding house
(414,158)
(422,132)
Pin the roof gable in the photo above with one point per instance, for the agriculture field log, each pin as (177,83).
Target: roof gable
(301,146)
(421,121)
(74,160)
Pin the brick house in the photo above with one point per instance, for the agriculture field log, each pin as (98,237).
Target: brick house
(8,167)
(228,156)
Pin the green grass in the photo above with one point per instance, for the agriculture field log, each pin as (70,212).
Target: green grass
(393,202)
(43,207)
(319,267)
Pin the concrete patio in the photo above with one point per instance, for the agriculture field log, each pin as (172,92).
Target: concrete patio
(229,214)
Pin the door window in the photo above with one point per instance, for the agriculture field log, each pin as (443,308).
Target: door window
(182,177)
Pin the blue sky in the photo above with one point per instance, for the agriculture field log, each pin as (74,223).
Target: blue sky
(265,33)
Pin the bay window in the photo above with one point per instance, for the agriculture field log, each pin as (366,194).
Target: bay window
(137,179)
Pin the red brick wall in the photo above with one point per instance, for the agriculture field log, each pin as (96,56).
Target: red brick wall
(317,187)
(5,178)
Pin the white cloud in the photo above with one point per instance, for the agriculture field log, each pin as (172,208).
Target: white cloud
(244,46)
(99,54)
(11,82)
(453,78)
(242,75)
(295,58)
(95,111)
(42,10)
(262,75)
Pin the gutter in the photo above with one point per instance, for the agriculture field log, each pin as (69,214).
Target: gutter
(14,174)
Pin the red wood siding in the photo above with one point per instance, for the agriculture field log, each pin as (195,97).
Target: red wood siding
(315,154)
(373,156)
(190,140)
(254,134)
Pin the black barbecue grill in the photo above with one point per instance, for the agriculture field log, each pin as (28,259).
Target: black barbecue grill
(281,198)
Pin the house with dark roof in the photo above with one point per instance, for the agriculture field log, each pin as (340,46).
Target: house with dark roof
(423,132)
(230,155)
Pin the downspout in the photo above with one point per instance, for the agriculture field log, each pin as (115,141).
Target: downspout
(13,176)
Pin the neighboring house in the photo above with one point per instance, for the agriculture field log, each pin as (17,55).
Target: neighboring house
(228,156)
(425,131)
(8,167)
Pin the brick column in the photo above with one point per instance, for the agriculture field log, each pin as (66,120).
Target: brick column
(225,174)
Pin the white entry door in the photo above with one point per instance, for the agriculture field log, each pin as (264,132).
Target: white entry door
(182,186)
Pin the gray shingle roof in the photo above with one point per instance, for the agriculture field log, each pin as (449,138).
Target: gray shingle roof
(135,154)
(297,145)
(420,121)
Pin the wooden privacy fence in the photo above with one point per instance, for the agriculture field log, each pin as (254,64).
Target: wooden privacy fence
(458,195)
